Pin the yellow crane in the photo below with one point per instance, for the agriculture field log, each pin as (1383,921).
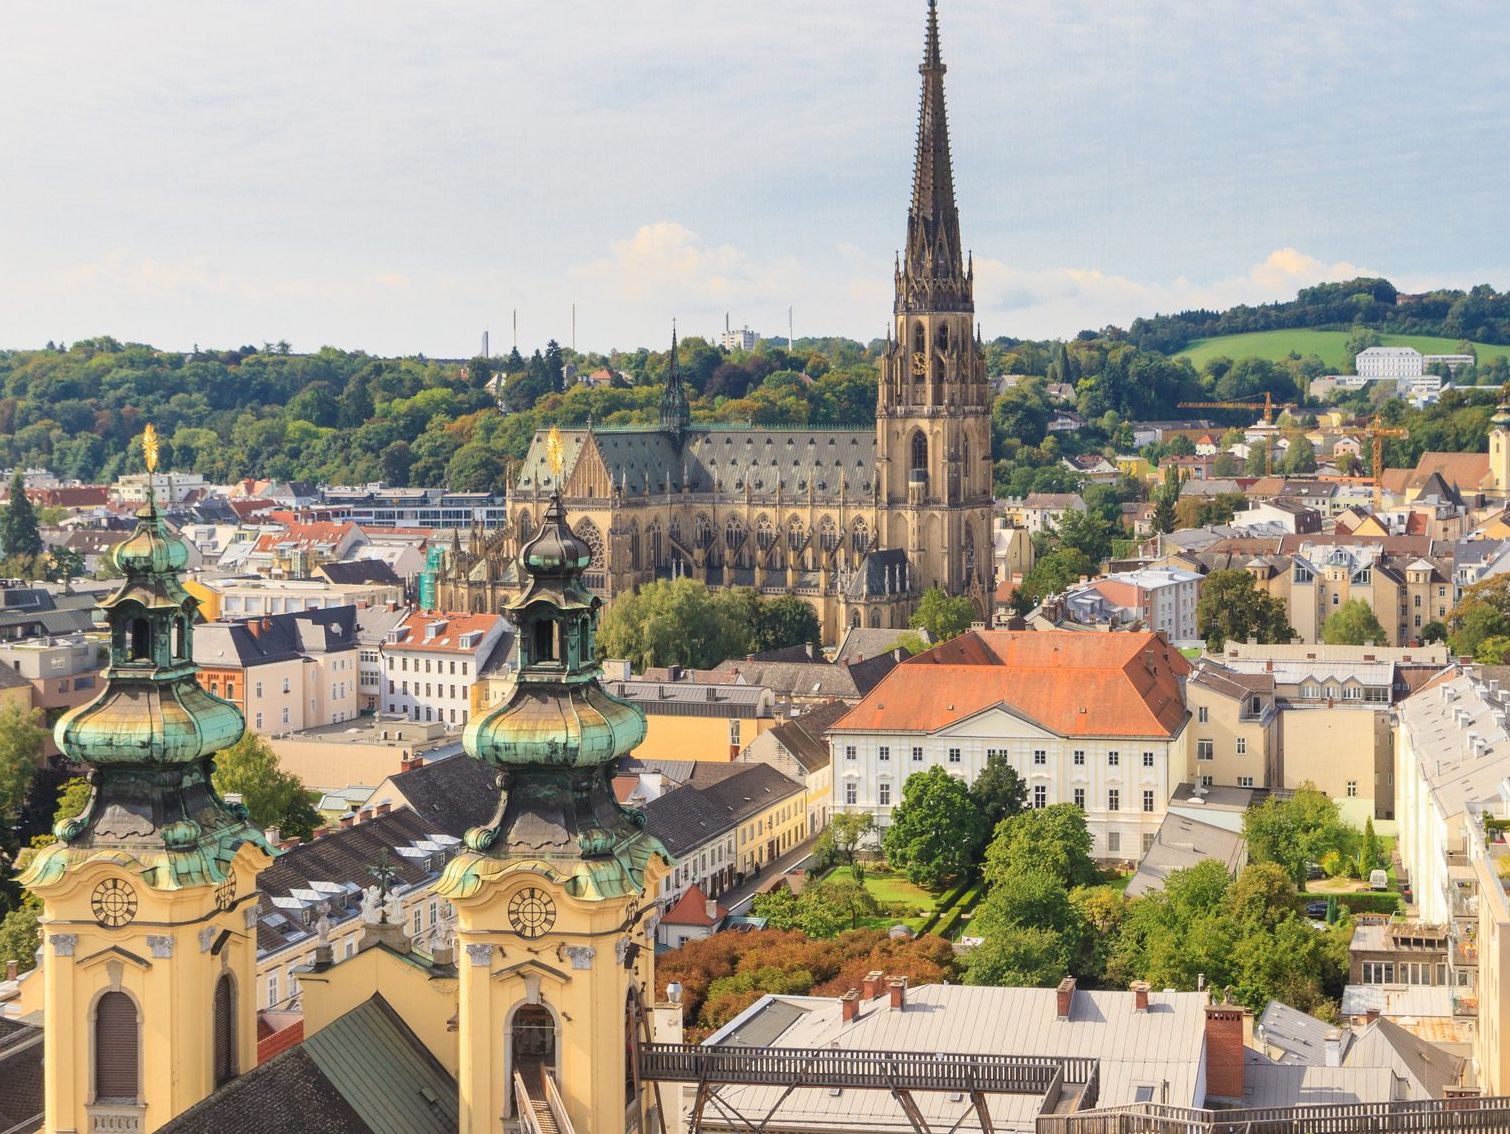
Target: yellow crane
(1264,409)
(1377,431)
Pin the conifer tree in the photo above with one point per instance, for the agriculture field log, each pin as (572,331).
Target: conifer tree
(18,523)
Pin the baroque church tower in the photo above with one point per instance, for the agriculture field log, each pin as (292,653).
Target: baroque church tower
(555,928)
(149,897)
(933,413)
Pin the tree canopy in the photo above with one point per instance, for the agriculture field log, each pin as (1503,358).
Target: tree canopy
(1353,624)
(1231,607)
(1053,841)
(1297,831)
(935,829)
(275,798)
(686,622)
(943,615)
(19,538)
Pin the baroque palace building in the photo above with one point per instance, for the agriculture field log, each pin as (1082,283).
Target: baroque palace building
(856,520)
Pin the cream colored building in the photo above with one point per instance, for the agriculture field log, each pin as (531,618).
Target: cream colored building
(252,597)
(693,720)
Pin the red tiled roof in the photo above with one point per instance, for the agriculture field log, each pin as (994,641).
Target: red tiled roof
(306,535)
(247,508)
(279,1041)
(448,639)
(692,909)
(1073,684)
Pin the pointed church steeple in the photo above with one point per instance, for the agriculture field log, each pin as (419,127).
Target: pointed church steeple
(676,414)
(934,276)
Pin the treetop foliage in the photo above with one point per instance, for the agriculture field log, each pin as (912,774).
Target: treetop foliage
(685,622)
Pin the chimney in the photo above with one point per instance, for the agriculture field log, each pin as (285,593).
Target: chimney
(1334,1048)
(711,905)
(1224,1050)
(348,820)
(12,968)
(1140,995)
(382,808)
(364,815)
(875,980)
(1371,1016)
(810,651)
(849,1006)
(897,985)
(273,835)
(1064,997)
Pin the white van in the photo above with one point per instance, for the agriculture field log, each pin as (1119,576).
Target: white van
(1378,880)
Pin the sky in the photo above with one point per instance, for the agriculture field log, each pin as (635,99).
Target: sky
(398,177)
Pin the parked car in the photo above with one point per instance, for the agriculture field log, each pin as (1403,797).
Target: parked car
(1314,871)
(1378,880)
(1316,910)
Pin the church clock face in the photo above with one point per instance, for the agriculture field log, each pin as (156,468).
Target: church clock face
(113,903)
(225,893)
(919,364)
(532,912)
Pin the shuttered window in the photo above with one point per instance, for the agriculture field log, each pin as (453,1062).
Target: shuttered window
(116,1043)
(225,1031)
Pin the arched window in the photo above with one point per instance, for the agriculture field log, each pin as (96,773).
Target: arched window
(653,541)
(919,450)
(828,534)
(117,1042)
(943,336)
(526,526)
(545,641)
(588,533)
(703,533)
(634,545)
(859,536)
(225,1030)
(765,534)
(141,640)
(919,340)
(965,461)
(734,533)
(795,534)
(179,625)
(969,552)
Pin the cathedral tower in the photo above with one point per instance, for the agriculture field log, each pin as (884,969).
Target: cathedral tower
(149,897)
(933,413)
(555,931)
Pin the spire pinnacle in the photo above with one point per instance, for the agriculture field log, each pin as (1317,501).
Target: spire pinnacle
(934,276)
(676,414)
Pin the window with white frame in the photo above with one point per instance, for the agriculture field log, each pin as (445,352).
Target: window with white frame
(883,793)
(1113,759)
(917,754)
(1114,842)
(1148,759)
(954,756)
(1244,781)
(1040,796)
(851,793)
(1242,746)
(1352,789)
(1040,757)
(1205,749)
(1080,798)
(1148,803)
(1113,799)
(884,753)
(1079,758)
(849,752)
(1202,714)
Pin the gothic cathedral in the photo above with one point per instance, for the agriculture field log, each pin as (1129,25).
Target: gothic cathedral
(856,521)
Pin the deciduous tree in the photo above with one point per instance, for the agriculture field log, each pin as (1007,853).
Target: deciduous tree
(1232,607)
(942,615)
(1053,841)
(934,829)
(275,798)
(1353,624)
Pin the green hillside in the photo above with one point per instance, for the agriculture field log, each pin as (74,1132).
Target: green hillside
(1328,345)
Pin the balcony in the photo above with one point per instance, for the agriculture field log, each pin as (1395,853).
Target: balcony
(116,1118)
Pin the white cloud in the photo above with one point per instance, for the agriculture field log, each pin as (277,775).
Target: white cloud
(1061,301)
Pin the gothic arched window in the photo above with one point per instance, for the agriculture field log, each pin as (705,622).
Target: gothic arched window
(828,534)
(943,336)
(919,450)
(734,533)
(702,533)
(526,526)
(225,1030)
(859,536)
(795,534)
(141,640)
(969,552)
(634,545)
(919,339)
(765,534)
(117,1049)
(588,533)
(653,541)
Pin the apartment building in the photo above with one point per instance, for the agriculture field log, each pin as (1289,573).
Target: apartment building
(377,505)
(1162,599)
(1097,720)
(1039,511)
(697,720)
(62,671)
(286,672)
(431,663)
(251,596)
(798,749)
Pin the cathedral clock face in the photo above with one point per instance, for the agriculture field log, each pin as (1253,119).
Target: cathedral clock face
(113,903)
(225,893)
(532,912)
(919,364)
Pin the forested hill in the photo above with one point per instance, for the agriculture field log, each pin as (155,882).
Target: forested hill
(1481,315)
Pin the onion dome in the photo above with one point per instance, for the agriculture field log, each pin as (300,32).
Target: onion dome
(149,734)
(554,740)
(1501,418)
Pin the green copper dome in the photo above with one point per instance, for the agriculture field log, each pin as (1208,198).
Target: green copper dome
(149,735)
(554,741)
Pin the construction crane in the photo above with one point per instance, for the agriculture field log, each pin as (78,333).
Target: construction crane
(1265,410)
(1377,431)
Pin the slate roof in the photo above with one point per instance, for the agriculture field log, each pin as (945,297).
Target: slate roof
(719,458)
(1183,842)
(1052,677)
(803,736)
(860,642)
(810,678)
(887,571)
(450,795)
(355,572)
(327,874)
(717,799)
(364,1073)
(276,637)
(21,1102)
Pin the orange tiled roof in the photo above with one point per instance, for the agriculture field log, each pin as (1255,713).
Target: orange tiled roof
(306,535)
(1465,471)
(692,909)
(1073,684)
(448,639)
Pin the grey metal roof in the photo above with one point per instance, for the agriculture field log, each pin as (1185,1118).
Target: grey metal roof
(1183,842)
(1301,1037)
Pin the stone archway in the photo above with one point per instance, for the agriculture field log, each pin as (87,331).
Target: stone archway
(533,1047)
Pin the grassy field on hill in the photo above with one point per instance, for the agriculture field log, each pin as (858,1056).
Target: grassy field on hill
(1329,345)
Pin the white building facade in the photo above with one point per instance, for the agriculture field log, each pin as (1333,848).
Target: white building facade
(431,662)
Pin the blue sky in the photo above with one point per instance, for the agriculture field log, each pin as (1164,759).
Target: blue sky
(396,177)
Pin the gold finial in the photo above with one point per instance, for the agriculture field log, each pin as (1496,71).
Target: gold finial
(555,453)
(149,447)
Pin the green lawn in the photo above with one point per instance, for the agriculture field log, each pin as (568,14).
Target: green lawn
(889,888)
(1328,345)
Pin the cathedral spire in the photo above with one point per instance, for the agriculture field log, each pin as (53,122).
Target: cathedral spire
(934,275)
(676,414)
